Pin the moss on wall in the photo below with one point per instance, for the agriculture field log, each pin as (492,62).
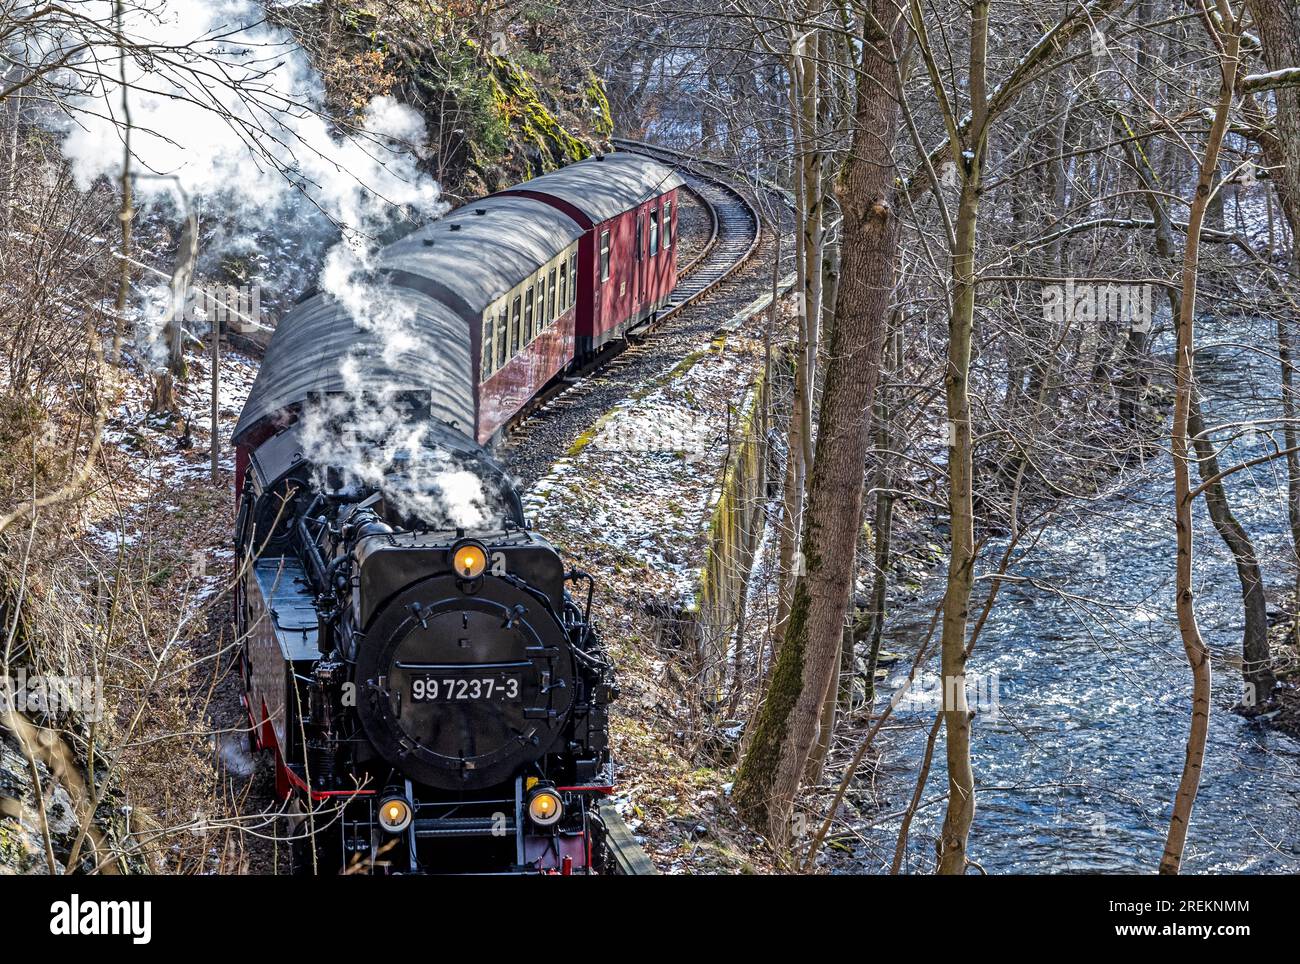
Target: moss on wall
(594,95)
(492,119)
(547,143)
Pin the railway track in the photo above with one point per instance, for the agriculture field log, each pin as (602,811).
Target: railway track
(565,410)
(735,233)
(543,431)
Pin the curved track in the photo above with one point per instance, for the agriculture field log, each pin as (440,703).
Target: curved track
(735,228)
(733,240)
(735,236)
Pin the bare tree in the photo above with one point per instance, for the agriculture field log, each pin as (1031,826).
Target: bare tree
(1226,34)
(786,728)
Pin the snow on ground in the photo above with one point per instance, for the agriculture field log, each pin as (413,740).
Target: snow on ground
(158,499)
(632,503)
(645,479)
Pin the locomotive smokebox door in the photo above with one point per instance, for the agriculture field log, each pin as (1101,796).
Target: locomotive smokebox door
(459,689)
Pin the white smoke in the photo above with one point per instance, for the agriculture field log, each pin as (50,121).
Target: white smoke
(227,112)
(372,441)
(462,495)
(225,105)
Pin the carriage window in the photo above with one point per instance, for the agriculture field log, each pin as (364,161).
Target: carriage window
(550,301)
(668,224)
(573,278)
(564,286)
(541,302)
(654,233)
(528,318)
(604,256)
(487,345)
(639,219)
(514,327)
(501,340)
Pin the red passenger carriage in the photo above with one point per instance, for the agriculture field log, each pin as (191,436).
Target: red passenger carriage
(504,293)
(627,206)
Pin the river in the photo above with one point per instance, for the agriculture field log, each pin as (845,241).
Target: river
(1079,749)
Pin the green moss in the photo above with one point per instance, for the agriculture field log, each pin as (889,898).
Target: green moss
(359,19)
(734,500)
(13,853)
(520,108)
(583,440)
(496,119)
(754,782)
(594,95)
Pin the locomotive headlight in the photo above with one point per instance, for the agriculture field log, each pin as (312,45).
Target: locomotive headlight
(545,807)
(469,559)
(394,814)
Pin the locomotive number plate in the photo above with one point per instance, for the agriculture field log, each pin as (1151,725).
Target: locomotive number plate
(464,689)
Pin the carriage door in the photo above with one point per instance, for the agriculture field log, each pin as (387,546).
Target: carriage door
(638,268)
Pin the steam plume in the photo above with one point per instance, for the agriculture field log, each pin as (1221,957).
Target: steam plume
(236,123)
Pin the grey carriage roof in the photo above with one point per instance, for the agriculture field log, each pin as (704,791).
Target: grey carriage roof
(605,187)
(467,259)
(318,337)
(444,286)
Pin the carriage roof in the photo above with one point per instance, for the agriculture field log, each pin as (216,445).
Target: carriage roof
(438,280)
(605,186)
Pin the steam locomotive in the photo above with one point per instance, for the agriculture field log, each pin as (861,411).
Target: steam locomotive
(422,665)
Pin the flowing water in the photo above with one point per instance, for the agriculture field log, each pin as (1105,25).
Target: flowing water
(1078,753)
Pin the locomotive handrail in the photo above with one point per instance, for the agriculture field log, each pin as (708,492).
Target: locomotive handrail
(574,575)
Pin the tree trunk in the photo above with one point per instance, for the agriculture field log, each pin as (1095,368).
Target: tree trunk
(961,560)
(1278,24)
(1198,656)
(874,630)
(960,814)
(1290,412)
(834,697)
(163,402)
(1256,660)
(187,251)
(770,773)
(797,433)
